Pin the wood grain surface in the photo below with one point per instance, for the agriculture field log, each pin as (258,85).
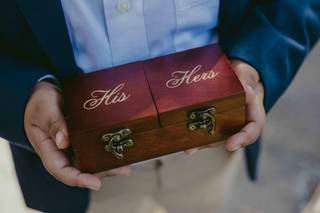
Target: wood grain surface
(91,155)
(153,101)
(77,91)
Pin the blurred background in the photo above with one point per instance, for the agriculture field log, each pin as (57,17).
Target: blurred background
(290,162)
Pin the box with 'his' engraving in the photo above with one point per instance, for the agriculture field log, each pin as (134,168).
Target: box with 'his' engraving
(152,108)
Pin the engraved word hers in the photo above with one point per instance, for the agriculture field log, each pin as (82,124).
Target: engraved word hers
(189,77)
(106,96)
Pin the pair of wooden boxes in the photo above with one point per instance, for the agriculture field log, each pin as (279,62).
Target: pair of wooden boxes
(152,108)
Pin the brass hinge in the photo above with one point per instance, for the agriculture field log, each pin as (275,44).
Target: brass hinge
(202,119)
(117,141)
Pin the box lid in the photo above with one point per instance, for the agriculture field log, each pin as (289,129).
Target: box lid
(118,97)
(191,79)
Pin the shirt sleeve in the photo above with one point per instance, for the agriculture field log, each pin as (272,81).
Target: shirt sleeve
(48,77)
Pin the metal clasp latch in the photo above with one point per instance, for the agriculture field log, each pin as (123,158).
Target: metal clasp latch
(202,119)
(117,141)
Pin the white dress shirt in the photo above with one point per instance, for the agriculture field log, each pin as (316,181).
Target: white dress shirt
(106,33)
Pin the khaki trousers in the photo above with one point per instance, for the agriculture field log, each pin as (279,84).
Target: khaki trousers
(199,183)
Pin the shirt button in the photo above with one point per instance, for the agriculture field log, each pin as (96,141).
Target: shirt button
(123,6)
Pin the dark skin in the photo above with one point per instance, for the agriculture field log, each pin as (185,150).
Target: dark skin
(47,131)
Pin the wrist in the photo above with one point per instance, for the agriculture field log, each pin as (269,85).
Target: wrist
(50,79)
(47,84)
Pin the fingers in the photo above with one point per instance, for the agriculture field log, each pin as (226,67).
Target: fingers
(47,131)
(256,118)
(250,94)
(191,151)
(44,111)
(246,73)
(58,132)
(55,124)
(73,177)
(125,171)
(194,150)
(259,90)
(58,165)
(255,113)
(246,136)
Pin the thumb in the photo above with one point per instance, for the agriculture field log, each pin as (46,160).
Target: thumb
(250,94)
(59,133)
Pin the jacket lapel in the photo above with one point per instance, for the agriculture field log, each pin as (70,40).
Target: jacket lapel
(47,21)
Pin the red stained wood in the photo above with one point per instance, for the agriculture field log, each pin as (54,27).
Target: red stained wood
(186,80)
(92,157)
(154,107)
(139,104)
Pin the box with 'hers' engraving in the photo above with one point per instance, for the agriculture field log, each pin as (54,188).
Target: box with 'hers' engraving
(151,108)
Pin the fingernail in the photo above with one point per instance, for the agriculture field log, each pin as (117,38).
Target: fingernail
(95,187)
(192,151)
(125,172)
(59,138)
(122,171)
(236,147)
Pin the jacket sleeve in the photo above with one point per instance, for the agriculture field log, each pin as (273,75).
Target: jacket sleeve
(275,37)
(17,80)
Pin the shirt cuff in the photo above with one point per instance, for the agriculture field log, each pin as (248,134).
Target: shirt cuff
(49,78)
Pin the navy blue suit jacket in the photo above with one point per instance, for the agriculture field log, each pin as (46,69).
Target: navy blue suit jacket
(274,36)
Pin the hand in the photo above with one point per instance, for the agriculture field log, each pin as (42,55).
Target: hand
(47,132)
(255,113)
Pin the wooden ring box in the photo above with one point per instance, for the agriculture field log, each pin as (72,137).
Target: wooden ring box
(147,109)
